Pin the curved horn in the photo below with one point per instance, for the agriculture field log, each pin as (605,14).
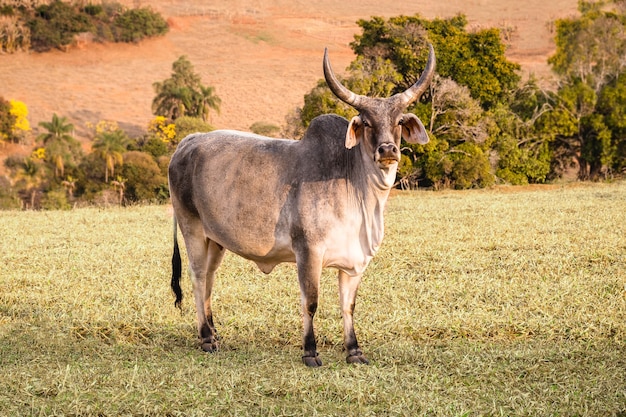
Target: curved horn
(338,89)
(416,90)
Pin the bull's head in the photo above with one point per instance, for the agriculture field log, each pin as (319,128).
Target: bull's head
(381,121)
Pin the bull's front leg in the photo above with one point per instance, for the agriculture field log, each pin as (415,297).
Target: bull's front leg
(348,287)
(309,273)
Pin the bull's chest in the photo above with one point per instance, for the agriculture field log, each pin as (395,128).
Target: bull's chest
(355,241)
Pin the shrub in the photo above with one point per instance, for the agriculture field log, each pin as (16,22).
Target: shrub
(155,146)
(55,200)
(144,181)
(93,9)
(54,25)
(135,24)
(8,197)
(186,125)
(265,129)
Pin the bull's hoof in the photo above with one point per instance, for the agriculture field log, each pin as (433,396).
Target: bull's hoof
(361,359)
(312,361)
(356,356)
(209,346)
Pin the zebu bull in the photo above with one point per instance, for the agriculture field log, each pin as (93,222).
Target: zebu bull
(318,202)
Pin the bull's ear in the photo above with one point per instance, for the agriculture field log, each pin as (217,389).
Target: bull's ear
(413,131)
(354,133)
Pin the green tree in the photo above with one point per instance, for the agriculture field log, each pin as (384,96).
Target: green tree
(457,155)
(472,59)
(61,149)
(183,94)
(474,77)
(28,176)
(205,100)
(522,141)
(589,61)
(7,120)
(110,147)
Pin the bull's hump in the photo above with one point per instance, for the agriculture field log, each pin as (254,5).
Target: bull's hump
(327,127)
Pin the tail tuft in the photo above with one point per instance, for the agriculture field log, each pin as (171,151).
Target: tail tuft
(176,272)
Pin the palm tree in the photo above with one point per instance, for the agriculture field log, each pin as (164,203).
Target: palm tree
(183,94)
(58,129)
(60,145)
(207,100)
(171,101)
(28,172)
(110,146)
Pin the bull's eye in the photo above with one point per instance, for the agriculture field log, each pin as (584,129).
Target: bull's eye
(365,123)
(400,122)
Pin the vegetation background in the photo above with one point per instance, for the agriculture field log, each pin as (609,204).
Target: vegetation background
(507,301)
(488,123)
(262,56)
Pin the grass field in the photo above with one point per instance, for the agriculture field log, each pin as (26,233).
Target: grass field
(510,301)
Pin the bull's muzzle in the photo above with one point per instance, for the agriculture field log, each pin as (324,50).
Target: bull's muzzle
(387,154)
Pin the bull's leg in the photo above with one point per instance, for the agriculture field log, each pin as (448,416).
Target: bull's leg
(348,287)
(198,251)
(208,334)
(309,273)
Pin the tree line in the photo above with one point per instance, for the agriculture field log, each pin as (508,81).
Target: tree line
(117,169)
(486,124)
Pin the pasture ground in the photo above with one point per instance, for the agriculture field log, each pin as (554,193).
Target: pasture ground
(508,301)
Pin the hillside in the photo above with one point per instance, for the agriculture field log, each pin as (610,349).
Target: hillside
(262,56)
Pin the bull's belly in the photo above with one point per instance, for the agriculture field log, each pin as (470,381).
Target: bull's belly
(346,254)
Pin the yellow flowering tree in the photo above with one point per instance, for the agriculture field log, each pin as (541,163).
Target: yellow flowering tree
(163,130)
(20,112)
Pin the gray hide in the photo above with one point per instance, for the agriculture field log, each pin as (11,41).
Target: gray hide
(318,202)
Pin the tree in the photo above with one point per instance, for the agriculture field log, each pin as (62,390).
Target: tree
(183,94)
(119,184)
(205,100)
(590,62)
(110,146)
(472,59)
(58,129)
(474,77)
(28,175)
(21,124)
(457,155)
(7,120)
(523,138)
(61,149)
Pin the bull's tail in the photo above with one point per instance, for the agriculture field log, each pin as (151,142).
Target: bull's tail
(176,269)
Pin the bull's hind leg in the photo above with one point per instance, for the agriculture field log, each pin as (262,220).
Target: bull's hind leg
(348,287)
(204,258)
(215,256)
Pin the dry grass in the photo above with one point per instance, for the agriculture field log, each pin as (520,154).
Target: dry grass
(479,303)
